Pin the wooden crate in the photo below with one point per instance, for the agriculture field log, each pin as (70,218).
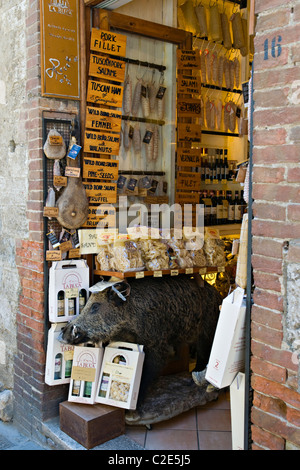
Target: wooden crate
(91,425)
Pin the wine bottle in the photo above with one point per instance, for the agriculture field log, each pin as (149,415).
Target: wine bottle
(219,217)
(213,214)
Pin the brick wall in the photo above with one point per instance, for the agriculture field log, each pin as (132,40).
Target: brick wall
(34,401)
(275,414)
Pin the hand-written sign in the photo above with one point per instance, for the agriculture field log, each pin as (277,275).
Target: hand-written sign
(108,42)
(103,119)
(189,108)
(188,180)
(188,132)
(188,84)
(60,48)
(107,67)
(101,192)
(188,157)
(100,218)
(105,93)
(188,59)
(187,198)
(96,168)
(101,142)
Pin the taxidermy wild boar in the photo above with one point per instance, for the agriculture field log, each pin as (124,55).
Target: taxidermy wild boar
(158,313)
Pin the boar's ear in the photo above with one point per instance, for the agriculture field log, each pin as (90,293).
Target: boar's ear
(119,293)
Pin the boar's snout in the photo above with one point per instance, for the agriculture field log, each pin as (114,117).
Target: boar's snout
(72,334)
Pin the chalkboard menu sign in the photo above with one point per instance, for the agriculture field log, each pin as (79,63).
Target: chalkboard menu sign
(60,48)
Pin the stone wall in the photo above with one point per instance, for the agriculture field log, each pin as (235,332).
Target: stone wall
(13,174)
(275,315)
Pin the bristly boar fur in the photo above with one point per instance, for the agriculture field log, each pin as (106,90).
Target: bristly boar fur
(158,313)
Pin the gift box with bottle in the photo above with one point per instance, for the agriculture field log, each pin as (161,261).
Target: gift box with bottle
(68,289)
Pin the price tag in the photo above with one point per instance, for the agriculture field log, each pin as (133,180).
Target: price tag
(72,172)
(74,253)
(50,211)
(221,269)
(55,140)
(174,272)
(189,271)
(60,181)
(157,274)
(139,275)
(202,271)
(53,255)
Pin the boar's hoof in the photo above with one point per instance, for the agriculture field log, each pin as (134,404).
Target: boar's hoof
(199,378)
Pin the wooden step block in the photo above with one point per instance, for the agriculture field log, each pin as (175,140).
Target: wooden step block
(91,425)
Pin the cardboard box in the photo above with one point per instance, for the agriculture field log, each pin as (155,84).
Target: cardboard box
(85,374)
(237,410)
(120,375)
(91,425)
(59,357)
(68,280)
(227,355)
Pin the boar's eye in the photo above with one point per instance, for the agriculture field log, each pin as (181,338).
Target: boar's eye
(95,308)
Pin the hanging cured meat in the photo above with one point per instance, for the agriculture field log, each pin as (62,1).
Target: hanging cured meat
(127,99)
(237,31)
(220,71)
(219,108)
(227,42)
(145,100)
(200,11)
(203,67)
(215,28)
(137,96)
(73,204)
(55,147)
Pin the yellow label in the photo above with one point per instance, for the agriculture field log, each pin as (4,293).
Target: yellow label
(71,293)
(83,373)
(157,273)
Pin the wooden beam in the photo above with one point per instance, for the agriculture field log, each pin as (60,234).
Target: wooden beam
(92,3)
(145,28)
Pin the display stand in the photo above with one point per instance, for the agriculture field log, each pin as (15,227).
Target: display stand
(165,272)
(170,396)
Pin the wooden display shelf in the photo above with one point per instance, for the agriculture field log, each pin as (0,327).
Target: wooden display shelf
(159,273)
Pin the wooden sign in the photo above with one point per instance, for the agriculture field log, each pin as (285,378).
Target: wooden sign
(188,180)
(100,193)
(188,84)
(74,253)
(53,255)
(187,132)
(106,94)
(187,198)
(60,181)
(188,157)
(103,119)
(108,42)
(96,216)
(107,67)
(189,108)
(188,59)
(72,171)
(101,142)
(50,211)
(97,168)
(55,140)
(60,46)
